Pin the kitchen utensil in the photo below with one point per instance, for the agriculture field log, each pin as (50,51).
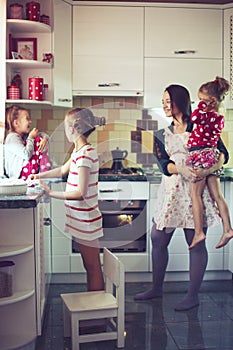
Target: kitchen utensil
(118,156)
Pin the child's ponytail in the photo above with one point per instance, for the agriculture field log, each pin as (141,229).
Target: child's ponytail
(217,88)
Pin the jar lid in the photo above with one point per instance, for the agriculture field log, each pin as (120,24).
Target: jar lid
(16,4)
(6,263)
(31,3)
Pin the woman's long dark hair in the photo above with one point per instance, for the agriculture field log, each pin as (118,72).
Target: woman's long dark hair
(179,96)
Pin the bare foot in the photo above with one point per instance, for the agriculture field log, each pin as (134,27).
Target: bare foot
(197,239)
(225,239)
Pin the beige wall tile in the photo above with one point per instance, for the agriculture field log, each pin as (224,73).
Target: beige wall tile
(54,124)
(147,141)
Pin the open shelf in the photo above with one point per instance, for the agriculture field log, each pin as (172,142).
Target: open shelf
(31,102)
(16,297)
(13,342)
(7,251)
(28,64)
(26,26)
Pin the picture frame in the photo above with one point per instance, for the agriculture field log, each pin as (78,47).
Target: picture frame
(26,48)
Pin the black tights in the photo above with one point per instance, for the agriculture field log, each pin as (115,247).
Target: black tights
(198,258)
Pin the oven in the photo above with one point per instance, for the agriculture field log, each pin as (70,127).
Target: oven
(124,208)
(124,204)
(124,225)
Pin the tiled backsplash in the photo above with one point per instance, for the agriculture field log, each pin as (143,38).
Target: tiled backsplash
(128,127)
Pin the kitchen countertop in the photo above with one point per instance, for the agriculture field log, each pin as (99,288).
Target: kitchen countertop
(34,194)
(29,200)
(154,176)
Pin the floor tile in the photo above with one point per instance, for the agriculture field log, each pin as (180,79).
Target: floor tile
(154,324)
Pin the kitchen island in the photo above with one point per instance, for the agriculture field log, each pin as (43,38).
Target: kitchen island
(21,243)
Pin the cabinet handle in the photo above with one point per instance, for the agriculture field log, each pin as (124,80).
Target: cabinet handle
(47,221)
(64,100)
(111,191)
(108,84)
(184,52)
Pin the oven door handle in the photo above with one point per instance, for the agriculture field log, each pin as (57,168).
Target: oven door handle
(120,212)
(111,191)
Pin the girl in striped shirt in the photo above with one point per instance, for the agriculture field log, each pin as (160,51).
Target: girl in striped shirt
(83,217)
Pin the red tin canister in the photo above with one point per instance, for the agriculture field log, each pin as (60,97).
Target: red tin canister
(16,11)
(13,92)
(36,89)
(33,11)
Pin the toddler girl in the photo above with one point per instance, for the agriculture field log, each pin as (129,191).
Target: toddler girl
(83,217)
(203,153)
(25,151)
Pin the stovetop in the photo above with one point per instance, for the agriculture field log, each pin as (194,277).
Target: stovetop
(129,174)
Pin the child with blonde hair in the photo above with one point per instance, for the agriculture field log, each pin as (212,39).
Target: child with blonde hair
(25,150)
(83,217)
(203,153)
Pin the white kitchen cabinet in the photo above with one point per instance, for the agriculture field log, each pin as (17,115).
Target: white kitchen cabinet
(183,32)
(61,243)
(229,247)
(2,78)
(21,241)
(62,48)
(189,72)
(108,50)
(228,53)
(50,39)
(47,242)
(174,58)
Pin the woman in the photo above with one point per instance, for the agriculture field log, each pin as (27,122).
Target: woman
(174,207)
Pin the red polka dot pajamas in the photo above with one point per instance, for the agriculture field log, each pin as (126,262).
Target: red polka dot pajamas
(202,142)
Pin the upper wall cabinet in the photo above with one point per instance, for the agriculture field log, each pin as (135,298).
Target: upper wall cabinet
(108,50)
(39,37)
(228,53)
(183,32)
(191,73)
(182,46)
(62,47)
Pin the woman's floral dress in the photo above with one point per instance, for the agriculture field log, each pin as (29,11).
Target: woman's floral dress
(174,205)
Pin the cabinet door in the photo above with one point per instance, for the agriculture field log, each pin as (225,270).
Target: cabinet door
(62,76)
(170,32)
(61,243)
(191,73)
(2,79)
(228,53)
(228,249)
(107,50)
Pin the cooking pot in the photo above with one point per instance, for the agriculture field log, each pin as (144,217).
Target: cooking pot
(117,156)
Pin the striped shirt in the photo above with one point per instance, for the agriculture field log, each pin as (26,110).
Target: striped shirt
(83,217)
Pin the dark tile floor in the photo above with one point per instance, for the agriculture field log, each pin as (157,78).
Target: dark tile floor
(154,325)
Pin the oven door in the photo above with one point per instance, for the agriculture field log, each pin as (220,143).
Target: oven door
(124,224)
